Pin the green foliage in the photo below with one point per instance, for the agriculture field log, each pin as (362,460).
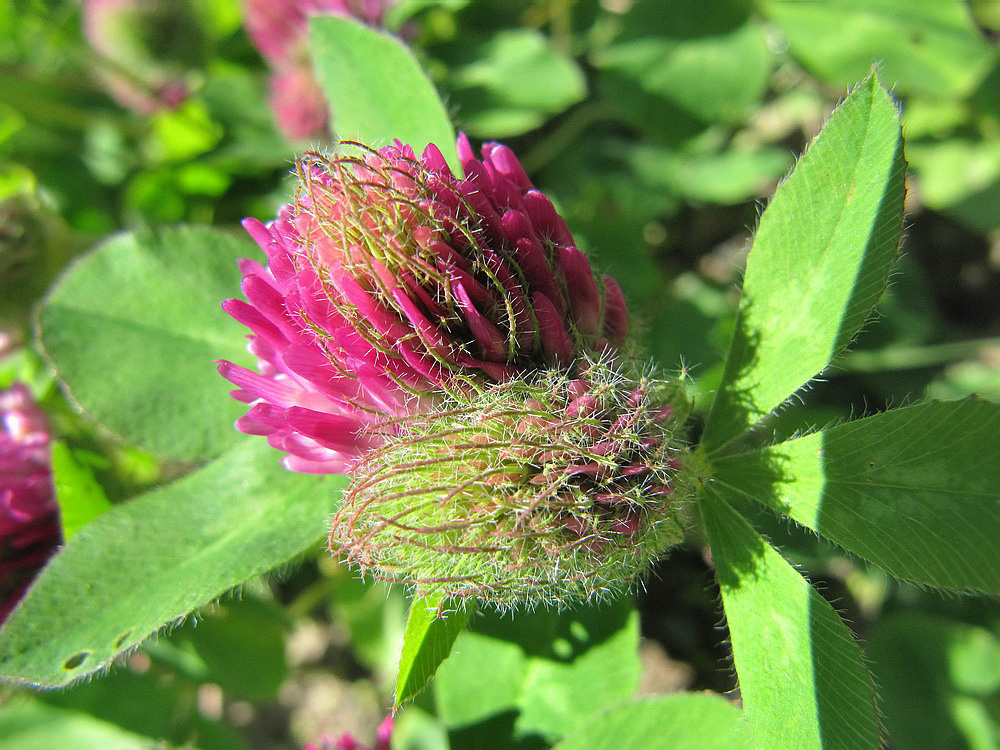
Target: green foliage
(932,48)
(138,359)
(431,630)
(512,82)
(28,724)
(913,490)
(801,676)
(147,564)
(939,678)
(818,264)
(548,671)
(81,497)
(650,68)
(658,129)
(688,721)
(376,89)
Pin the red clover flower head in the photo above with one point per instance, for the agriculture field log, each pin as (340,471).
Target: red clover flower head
(443,338)
(391,282)
(29,524)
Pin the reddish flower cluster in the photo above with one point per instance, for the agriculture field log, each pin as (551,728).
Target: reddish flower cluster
(29,523)
(390,280)
(443,339)
(280,30)
(347,742)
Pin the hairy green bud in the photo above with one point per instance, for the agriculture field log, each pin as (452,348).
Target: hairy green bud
(558,488)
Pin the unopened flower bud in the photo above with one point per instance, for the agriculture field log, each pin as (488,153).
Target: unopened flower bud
(559,487)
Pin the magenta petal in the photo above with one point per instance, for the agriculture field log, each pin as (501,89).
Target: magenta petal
(517,225)
(257,384)
(479,294)
(547,221)
(329,430)
(483,211)
(465,152)
(385,322)
(524,327)
(584,297)
(555,339)
(251,267)
(260,233)
(430,370)
(265,298)
(615,312)
(333,465)
(432,336)
(504,161)
(488,336)
(477,176)
(434,160)
(532,262)
(252,319)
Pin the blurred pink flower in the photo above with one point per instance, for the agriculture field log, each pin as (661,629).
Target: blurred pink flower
(390,281)
(147,47)
(29,524)
(347,742)
(298,103)
(279,29)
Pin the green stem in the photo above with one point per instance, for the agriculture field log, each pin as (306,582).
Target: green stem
(577,121)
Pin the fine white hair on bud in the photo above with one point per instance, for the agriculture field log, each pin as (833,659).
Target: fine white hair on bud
(560,487)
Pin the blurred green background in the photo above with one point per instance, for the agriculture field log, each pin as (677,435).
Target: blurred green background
(659,128)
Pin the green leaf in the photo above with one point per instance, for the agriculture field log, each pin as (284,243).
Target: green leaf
(133,329)
(939,680)
(915,491)
(541,673)
(511,82)
(685,60)
(146,564)
(377,89)
(145,703)
(28,724)
(430,633)
(819,263)
(801,677)
(81,497)
(241,643)
(921,47)
(688,721)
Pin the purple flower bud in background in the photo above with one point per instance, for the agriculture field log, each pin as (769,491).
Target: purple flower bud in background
(146,48)
(279,29)
(347,742)
(391,282)
(298,103)
(29,523)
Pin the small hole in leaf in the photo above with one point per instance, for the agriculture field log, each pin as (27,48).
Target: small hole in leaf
(121,639)
(76,660)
